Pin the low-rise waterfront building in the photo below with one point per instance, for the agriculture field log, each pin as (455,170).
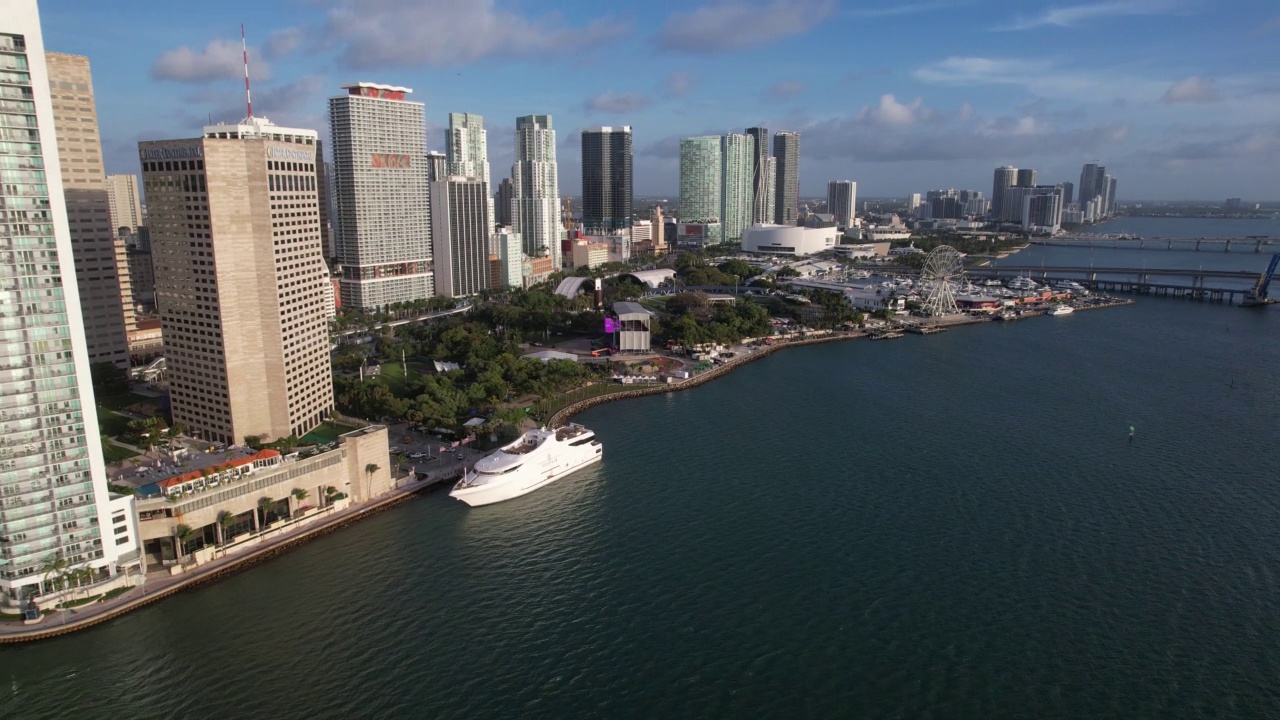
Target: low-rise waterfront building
(789,239)
(237,503)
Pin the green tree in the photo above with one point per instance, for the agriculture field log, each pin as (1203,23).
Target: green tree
(369,470)
(299,494)
(264,504)
(184,534)
(226,521)
(108,379)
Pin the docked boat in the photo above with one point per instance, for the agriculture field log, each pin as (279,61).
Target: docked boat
(537,458)
(1061,310)
(1023,282)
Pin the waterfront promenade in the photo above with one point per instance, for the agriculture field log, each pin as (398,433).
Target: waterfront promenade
(158,586)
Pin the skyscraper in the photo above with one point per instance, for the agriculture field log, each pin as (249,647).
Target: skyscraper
(1005,178)
(842,201)
(101,260)
(786,152)
(1068,193)
(124,201)
(460,221)
(701,180)
(502,205)
(1109,201)
(736,194)
(241,283)
(54,501)
(467,147)
(606,179)
(437,166)
(1091,182)
(1026,178)
(380,188)
(535,202)
(763,177)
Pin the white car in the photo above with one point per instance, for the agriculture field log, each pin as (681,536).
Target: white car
(394,449)
(417,456)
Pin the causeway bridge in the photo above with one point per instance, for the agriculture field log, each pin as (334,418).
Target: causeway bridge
(1252,243)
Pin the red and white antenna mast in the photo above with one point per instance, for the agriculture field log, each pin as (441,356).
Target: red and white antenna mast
(248,99)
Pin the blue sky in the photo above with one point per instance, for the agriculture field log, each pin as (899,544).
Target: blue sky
(1178,98)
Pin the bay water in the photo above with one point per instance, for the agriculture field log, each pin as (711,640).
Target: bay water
(952,526)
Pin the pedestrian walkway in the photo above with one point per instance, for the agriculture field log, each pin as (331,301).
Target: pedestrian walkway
(152,590)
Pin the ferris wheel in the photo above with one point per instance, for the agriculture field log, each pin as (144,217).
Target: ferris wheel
(942,273)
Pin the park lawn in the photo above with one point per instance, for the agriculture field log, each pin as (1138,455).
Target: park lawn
(326,433)
(115,453)
(111,424)
(393,375)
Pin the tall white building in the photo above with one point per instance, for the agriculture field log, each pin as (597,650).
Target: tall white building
(459,224)
(467,144)
(737,193)
(380,179)
(701,180)
(125,202)
(842,201)
(54,501)
(506,245)
(535,202)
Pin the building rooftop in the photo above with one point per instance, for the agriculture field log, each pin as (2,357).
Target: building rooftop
(218,467)
(630,308)
(377,86)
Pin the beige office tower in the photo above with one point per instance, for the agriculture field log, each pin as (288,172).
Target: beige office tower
(125,202)
(241,283)
(102,265)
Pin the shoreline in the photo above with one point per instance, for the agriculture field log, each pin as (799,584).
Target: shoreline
(213,571)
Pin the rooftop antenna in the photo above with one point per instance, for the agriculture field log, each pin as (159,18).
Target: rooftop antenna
(248,99)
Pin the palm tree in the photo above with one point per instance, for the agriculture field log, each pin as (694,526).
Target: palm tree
(264,504)
(299,494)
(369,470)
(329,493)
(184,534)
(226,520)
(56,566)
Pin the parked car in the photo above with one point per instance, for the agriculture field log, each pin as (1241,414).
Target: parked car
(461,455)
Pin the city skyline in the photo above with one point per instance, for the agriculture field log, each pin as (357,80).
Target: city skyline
(1051,88)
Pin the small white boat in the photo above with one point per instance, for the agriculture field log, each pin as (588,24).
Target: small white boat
(1061,310)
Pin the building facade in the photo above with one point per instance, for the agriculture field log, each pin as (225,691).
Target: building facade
(507,246)
(701,169)
(502,204)
(606,179)
(460,222)
(124,202)
(535,188)
(241,282)
(54,500)
(842,201)
(1005,178)
(380,178)
(467,146)
(786,152)
(763,177)
(101,262)
(1026,178)
(736,194)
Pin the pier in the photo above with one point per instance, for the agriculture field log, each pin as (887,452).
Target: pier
(1254,244)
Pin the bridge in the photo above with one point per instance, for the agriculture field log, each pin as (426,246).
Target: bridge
(1242,244)
(427,317)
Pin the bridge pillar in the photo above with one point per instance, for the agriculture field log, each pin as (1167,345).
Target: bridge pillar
(1228,248)
(1257,247)
(1197,246)
(1170,246)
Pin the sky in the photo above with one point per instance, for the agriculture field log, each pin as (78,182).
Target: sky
(1180,99)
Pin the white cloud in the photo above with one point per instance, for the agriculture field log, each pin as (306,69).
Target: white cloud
(724,25)
(282,43)
(1082,15)
(1194,89)
(412,33)
(610,102)
(679,84)
(784,90)
(1040,78)
(891,113)
(219,60)
(904,9)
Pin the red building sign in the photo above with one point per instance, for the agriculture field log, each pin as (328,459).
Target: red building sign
(389,160)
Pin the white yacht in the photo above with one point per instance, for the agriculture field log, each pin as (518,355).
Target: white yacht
(538,458)
(1023,282)
(1061,310)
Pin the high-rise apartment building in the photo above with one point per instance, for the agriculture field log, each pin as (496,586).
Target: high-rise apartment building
(507,246)
(241,283)
(459,224)
(1005,178)
(101,261)
(701,180)
(1091,177)
(467,146)
(763,176)
(54,500)
(736,194)
(535,201)
(1026,178)
(606,179)
(842,201)
(125,202)
(786,151)
(437,166)
(1109,204)
(1042,208)
(1068,192)
(380,178)
(502,204)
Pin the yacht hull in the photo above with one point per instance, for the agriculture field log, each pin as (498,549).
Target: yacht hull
(523,484)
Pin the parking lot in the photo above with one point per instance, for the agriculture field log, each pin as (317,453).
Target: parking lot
(423,452)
